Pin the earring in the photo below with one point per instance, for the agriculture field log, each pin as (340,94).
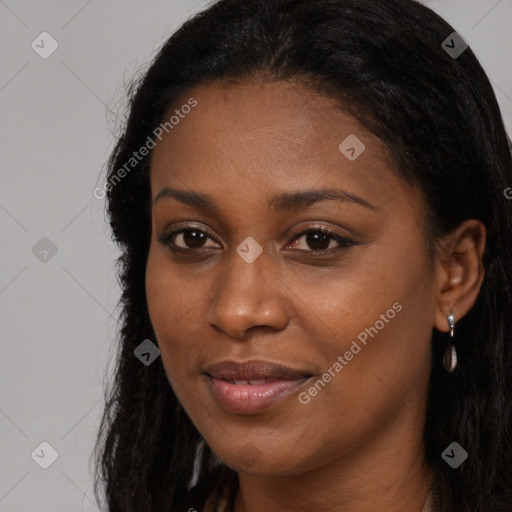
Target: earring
(450,355)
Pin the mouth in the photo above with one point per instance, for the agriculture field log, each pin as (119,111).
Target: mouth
(251,382)
(253,370)
(253,386)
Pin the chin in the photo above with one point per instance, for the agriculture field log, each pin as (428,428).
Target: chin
(262,462)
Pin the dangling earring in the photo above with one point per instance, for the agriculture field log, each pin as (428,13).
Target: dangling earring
(450,355)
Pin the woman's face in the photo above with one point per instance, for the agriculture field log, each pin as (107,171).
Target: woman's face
(350,312)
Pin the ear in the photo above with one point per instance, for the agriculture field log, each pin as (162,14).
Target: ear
(459,271)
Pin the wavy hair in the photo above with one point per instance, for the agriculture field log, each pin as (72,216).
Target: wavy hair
(384,61)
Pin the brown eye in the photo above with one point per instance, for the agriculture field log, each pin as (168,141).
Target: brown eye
(189,238)
(193,238)
(318,240)
(321,240)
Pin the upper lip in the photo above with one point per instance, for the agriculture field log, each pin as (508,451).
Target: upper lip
(253,369)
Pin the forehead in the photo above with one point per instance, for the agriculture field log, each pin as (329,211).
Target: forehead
(259,138)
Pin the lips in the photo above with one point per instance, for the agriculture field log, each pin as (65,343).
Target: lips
(254,386)
(253,370)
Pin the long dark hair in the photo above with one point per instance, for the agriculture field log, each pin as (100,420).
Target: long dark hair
(385,63)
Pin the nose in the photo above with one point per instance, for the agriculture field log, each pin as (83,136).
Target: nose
(249,296)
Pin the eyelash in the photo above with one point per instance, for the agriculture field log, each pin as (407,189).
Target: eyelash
(345,243)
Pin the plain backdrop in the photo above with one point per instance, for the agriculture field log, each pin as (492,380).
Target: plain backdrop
(58,290)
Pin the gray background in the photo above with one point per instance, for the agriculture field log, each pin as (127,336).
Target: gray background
(58,116)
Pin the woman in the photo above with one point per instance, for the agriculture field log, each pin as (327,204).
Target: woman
(309,197)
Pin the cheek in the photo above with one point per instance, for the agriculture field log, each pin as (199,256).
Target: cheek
(384,345)
(172,305)
(378,317)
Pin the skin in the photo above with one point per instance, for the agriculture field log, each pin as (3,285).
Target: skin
(357,445)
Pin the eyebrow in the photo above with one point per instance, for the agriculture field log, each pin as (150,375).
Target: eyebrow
(287,201)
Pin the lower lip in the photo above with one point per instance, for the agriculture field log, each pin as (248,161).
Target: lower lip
(251,399)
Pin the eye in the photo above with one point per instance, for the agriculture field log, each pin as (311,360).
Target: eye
(321,240)
(316,240)
(185,239)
